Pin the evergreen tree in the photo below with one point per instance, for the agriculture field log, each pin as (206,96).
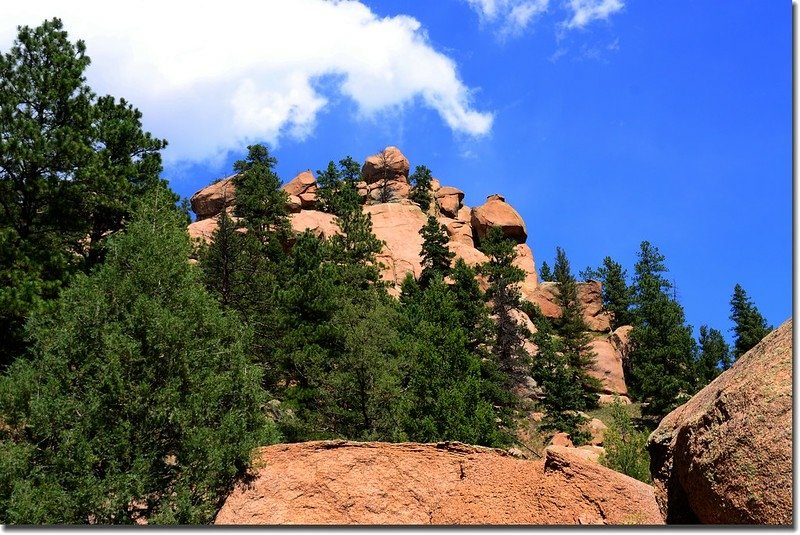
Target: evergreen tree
(616,293)
(336,186)
(138,399)
(260,201)
(471,302)
(714,356)
(564,396)
(436,256)
(421,187)
(505,296)
(574,333)
(71,167)
(448,396)
(749,325)
(661,371)
(545,273)
(223,263)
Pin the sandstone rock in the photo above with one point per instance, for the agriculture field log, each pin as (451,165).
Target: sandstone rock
(435,184)
(320,223)
(562,439)
(597,429)
(338,482)
(212,199)
(589,293)
(586,453)
(620,339)
(457,231)
(388,164)
(449,200)
(308,200)
(497,212)
(471,256)
(726,455)
(202,229)
(398,225)
(294,204)
(302,183)
(607,367)
(526,263)
(608,399)
(391,191)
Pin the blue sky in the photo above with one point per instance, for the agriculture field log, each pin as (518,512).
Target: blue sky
(603,122)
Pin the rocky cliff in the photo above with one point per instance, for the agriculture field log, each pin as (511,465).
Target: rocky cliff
(725,457)
(338,483)
(397,221)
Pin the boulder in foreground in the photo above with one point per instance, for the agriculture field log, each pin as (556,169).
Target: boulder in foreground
(338,482)
(725,457)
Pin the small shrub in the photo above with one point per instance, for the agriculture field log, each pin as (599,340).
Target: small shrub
(626,447)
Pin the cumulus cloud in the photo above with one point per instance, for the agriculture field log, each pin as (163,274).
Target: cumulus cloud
(512,16)
(586,11)
(210,76)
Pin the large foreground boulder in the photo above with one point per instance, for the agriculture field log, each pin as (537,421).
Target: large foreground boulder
(725,457)
(337,482)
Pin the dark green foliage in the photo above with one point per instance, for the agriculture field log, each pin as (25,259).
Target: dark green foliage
(420,181)
(505,296)
(545,273)
(625,446)
(564,395)
(473,315)
(138,398)
(71,167)
(661,362)
(337,193)
(714,356)
(749,325)
(224,264)
(260,201)
(574,333)
(616,293)
(449,395)
(436,256)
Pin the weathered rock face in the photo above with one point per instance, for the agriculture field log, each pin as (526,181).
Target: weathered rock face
(496,212)
(449,200)
(398,225)
(212,199)
(321,224)
(608,367)
(726,455)
(545,294)
(203,229)
(389,164)
(303,187)
(422,484)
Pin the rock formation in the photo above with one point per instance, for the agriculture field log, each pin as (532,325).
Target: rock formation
(338,482)
(397,224)
(725,457)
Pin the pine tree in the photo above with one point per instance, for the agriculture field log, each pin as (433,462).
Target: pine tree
(661,362)
(505,296)
(572,327)
(436,256)
(714,356)
(71,168)
(223,263)
(448,395)
(749,325)
(564,396)
(138,399)
(545,273)
(616,293)
(421,187)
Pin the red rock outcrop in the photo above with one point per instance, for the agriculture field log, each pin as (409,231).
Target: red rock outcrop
(321,224)
(203,229)
(398,225)
(449,200)
(389,164)
(607,367)
(590,294)
(304,188)
(725,457)
(212,199)
(345,483)
(496,212)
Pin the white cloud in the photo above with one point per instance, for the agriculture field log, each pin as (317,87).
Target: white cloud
(586,11)
(513,16)
(212,76)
